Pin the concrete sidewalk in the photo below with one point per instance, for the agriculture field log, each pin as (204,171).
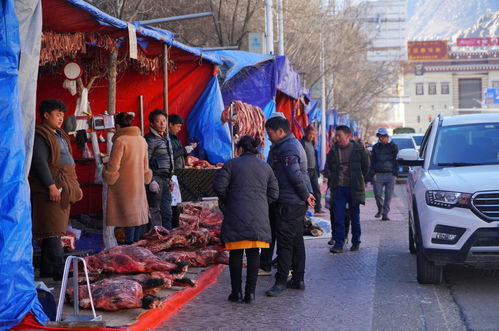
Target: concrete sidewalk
(398,209)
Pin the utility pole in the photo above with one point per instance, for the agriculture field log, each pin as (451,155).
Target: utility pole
(280,24)
(175,18)
(323,104)
(269,27)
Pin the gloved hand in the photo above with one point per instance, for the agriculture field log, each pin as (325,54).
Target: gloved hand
(154,187)
(191,147)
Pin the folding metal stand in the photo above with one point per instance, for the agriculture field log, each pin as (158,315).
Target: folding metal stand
(76,317)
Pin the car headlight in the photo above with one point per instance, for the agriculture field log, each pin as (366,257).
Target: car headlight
(448,199)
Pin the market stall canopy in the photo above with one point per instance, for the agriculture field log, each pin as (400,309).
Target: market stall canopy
(65,16)
(256,78)
(235,61)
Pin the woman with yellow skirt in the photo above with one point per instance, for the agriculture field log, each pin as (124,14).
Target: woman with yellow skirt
(246,186)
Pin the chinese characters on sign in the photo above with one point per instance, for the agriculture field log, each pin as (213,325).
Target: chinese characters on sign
(478,42)
(428,50)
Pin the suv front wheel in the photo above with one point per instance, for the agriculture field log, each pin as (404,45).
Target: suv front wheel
(427,271)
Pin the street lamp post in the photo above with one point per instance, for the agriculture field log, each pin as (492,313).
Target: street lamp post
(269,27)
(323,104)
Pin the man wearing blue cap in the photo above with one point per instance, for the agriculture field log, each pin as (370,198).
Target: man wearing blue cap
(384,171)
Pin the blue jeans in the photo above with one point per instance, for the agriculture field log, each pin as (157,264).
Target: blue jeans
(133,233)
(342,197)
(160,204)
(386,180)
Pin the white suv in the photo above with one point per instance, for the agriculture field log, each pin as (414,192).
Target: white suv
(453,195)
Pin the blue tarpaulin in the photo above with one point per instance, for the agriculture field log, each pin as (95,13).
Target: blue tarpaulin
(313,112)
(255,78)
(18,294)
(288,79)
(235,61)
(254,85)
(268,110)
(204,124)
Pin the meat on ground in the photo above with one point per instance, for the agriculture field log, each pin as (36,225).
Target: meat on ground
(128,259)
(199,258)
(110,294)
(177,238)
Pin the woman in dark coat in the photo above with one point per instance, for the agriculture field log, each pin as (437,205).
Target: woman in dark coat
(246,186)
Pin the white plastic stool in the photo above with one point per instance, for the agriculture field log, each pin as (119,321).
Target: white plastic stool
(76,316)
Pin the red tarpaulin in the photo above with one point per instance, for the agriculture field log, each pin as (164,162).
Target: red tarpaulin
(185,86)
(293,110)
(186,82)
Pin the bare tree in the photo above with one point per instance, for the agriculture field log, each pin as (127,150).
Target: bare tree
(357,82)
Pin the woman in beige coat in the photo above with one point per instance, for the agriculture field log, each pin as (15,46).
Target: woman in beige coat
(126,173)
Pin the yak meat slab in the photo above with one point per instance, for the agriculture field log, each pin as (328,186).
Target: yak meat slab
(128,259)
(110,294)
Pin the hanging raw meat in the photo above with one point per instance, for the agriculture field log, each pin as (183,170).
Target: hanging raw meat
(128,259)
(246,120)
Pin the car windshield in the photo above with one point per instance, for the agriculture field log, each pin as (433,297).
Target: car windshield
(467,145)
(403,143)
(418,140)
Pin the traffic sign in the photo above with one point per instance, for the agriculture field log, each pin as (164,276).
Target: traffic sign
(491,96)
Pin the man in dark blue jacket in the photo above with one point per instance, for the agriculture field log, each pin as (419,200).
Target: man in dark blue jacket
(384,171)
(289,163)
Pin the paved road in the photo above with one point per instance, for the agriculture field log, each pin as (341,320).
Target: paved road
(373,289)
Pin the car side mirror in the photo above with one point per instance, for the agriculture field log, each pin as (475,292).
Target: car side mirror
(409,157)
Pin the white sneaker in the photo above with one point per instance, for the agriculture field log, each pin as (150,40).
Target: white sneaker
(262,272)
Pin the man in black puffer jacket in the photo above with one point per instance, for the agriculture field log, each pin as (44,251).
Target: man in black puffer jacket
(160,153)
(384,171)
(289,163)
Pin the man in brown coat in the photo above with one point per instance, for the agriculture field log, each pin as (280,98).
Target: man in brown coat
(54,186)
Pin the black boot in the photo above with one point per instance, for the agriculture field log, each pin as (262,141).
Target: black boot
(235,269)
(235,296)
(249,295)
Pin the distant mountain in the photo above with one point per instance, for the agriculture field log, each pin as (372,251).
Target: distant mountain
(441,19)
(486,26)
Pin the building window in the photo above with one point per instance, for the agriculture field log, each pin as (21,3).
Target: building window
(444,88)
(419,119)
(470,93)
(495,83)
(419,89)
(432,88)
